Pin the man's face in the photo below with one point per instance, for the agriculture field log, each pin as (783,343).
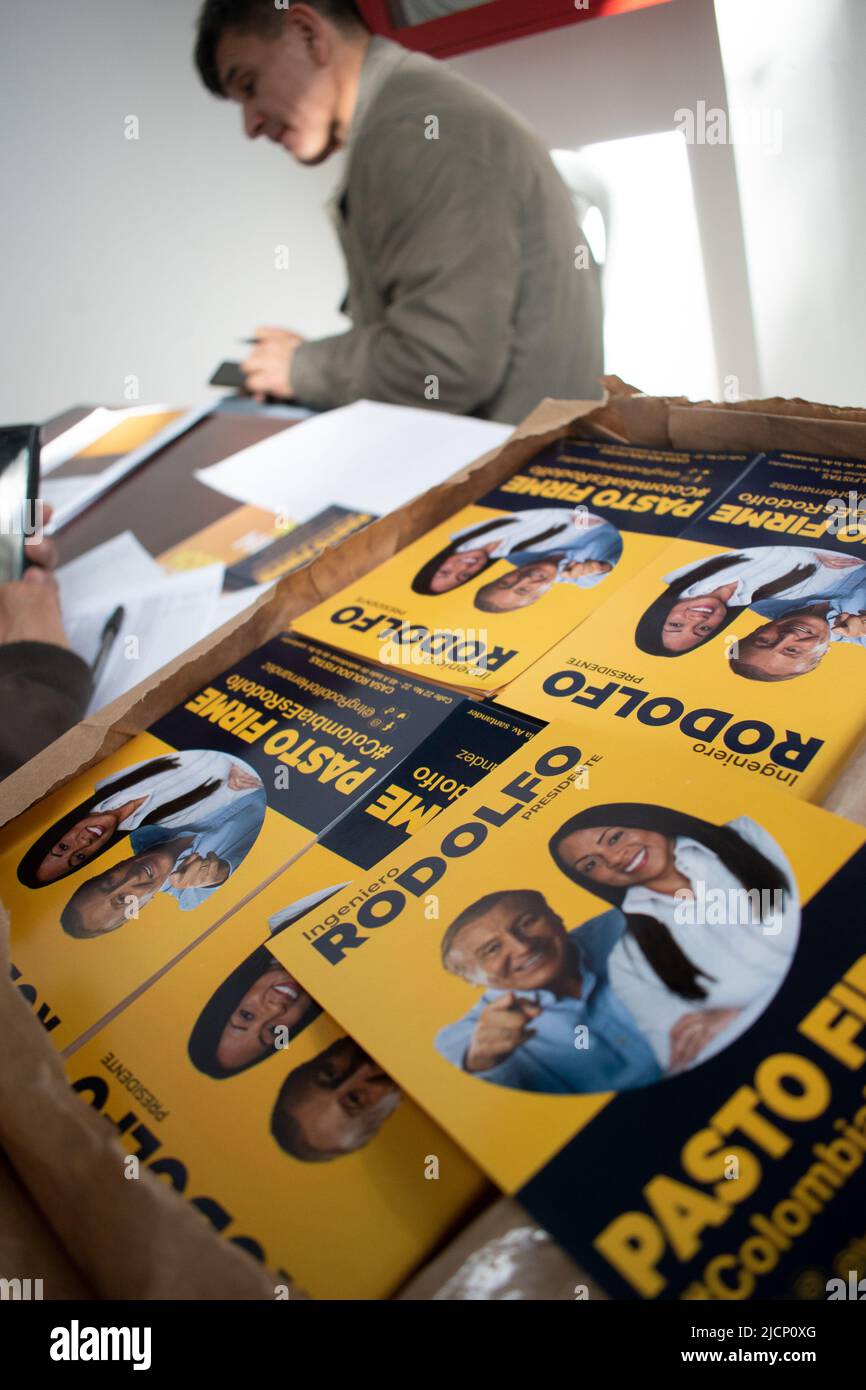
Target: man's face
(84,839)
(789,646)
(457,569)
(522,586)
(514,945)
(286,85)
(105,902)
(342,1100)
(274,1000)
(617,856)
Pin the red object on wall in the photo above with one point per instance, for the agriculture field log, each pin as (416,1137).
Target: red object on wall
(495,22)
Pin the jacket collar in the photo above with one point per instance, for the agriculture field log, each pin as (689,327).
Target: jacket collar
(383,56)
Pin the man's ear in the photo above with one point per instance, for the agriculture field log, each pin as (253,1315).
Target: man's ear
(314,32)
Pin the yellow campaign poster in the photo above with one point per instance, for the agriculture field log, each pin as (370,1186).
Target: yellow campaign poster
(124,868)
(741,642)
(101,897)
(593,945)
(227,1080)
(479,598)
(230,540)
(130,433)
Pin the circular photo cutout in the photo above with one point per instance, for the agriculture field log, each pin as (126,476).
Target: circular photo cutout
(697,928)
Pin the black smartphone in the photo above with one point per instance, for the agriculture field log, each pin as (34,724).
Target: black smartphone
(228,374)
(20,514)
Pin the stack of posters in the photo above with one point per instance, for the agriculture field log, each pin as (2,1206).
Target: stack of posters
(740,641)
(132,862)
(636,1002)
(481,597)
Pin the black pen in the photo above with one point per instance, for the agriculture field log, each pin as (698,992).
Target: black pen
(106,642)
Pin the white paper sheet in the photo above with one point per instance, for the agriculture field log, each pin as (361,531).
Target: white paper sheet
(367,457)
(163,614)
(235,601)
(116,567)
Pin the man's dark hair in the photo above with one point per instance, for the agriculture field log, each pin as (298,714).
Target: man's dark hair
(262,17)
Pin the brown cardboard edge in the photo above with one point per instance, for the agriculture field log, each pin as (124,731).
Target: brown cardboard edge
(749,430)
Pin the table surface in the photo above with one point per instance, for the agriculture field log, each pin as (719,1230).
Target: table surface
(162,502)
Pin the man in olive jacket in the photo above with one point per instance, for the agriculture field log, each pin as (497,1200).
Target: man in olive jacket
(470,286)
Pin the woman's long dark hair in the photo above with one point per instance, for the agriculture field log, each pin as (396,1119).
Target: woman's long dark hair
(664,956)
(423,579)
(205,1036)
(34,856)
(648,633)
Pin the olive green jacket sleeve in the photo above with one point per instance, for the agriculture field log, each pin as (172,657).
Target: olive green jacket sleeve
(439,231)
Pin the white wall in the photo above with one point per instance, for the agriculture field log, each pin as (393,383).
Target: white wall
(148,257)
(609,79)
(782,231)
(804,208)
(145,257)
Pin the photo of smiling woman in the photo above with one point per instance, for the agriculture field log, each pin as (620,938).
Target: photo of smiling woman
(169,791)
(705,596)
(238,1026)
(474,549)
(712,920)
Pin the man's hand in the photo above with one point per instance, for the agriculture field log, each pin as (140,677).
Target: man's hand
(239,780)
(692,1032)
(198,872)
(30,610)
(577,569)
(501,1028)
(851,624)
(268,369)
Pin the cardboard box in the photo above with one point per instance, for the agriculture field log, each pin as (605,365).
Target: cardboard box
(624,415)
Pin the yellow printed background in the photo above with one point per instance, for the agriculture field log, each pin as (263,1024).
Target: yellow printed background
(80,981)
(393,995)
(354,1227)
(827,703)
(529,631)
